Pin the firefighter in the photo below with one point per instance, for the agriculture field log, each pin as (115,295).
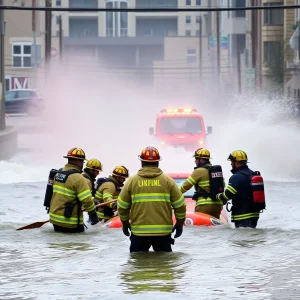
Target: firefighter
(92,169)
(109,189)
(200,179)
(238,189)
(70,192)
(148,198)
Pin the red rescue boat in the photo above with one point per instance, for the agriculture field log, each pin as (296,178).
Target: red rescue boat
(192,218)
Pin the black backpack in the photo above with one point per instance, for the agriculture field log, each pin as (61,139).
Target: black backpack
(216,183)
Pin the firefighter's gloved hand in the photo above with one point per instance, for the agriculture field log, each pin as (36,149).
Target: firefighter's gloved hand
(126,227)
(114,206)
(96,202)
(93,217)
(178,228)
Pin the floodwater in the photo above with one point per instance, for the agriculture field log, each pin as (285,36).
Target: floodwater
(206,263)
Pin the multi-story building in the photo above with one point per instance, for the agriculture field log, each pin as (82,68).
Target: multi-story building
(267,43)
(292,86)
(127,39)
(22,57)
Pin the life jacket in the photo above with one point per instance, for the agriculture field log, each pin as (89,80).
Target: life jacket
(60,176)
(257,190)
(216,183)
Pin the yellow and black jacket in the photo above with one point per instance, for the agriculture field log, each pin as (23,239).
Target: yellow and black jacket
(74,191)
(148,199)
(107,191)
(200,180)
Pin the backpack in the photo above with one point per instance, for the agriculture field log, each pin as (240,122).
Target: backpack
(216,183)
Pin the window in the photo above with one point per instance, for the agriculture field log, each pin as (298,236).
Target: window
(179,125)
(273,16)
(188,33)
(10,95)
(187,2)
(24,94)
(198,2)
(58,2)
(191,55)
(197,32)
(188,19)
(238,4)
(83,3)
(198,18)
(272,51)
(116,22)
(21,53)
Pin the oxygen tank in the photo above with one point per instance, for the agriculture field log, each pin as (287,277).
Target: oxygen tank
(49,189)
(258,191)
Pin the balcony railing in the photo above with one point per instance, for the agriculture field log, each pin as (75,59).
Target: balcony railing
(156,4)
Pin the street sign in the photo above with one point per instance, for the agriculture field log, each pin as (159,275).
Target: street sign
(223,42)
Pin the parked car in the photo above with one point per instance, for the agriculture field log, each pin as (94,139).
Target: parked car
(23,101)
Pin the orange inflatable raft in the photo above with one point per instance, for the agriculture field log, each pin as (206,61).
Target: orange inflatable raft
(192,218)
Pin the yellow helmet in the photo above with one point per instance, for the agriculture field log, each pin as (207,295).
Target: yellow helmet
(76,153)
(94,164)
(120,171)
(238,155)
(202,153)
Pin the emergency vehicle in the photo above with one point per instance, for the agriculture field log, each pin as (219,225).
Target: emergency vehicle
(181,127)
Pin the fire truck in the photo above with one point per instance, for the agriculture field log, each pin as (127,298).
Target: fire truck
(180,127)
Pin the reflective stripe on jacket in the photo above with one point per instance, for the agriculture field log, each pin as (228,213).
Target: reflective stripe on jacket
(148,199)
(238,190)
(74,191)
(200,180)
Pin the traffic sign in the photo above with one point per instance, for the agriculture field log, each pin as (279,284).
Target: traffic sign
(223,42)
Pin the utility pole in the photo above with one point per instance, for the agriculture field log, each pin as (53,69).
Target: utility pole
(34,41)
(2,73)
(200,50)
(48,33)
(218,46)
(60,38)
(239,66)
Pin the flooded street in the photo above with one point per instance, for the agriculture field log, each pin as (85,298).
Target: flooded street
(206,263)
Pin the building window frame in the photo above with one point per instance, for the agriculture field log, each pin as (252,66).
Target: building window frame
(188,19)
(22,55)
(270,15)
(198,2)
(188,32)
(191,55)
(188,2)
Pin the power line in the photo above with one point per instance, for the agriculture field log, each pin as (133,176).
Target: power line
(68,9)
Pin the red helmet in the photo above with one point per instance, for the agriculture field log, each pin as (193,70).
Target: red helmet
(76,153)
(150,154)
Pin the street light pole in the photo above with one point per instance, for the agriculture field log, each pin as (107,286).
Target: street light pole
(2,73)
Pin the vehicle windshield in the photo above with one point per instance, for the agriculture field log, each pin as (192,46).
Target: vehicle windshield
(179,125)
(179,182)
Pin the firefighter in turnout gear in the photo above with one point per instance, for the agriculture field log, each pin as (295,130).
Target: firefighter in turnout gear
(243,214)
(148,199)
(70,192)
(92,169)
(200,179)
(108,189)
